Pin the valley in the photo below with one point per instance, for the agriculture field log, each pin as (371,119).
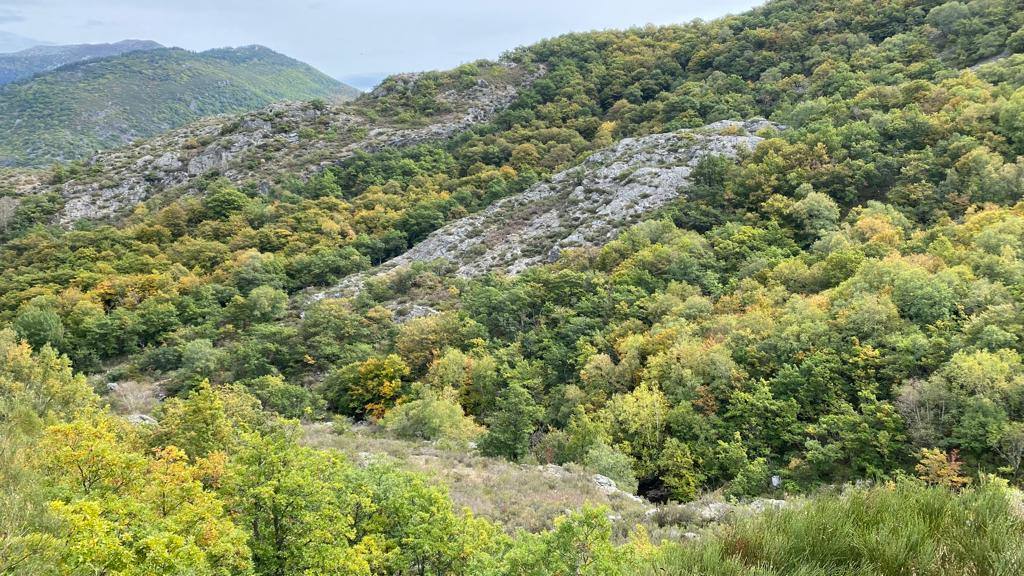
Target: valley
(732,297)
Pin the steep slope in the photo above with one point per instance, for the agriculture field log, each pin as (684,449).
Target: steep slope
(25,63)
(798,313)
(585,206)
(78,109)
(284,140)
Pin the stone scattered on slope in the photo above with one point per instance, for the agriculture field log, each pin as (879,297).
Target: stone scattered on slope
(609,487)
(587,205)
(141,419)
(293,139)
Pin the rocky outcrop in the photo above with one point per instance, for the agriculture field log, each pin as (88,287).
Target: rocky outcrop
(585,206)
(609,487)
(285,139)
(94,202)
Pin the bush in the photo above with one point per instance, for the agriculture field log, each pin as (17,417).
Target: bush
(753,480)
(286,399)
(223,200)
(433,416)
(607,461)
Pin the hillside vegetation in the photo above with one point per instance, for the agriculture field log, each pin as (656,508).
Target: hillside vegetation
(80,108)
(837,303)
(31,61)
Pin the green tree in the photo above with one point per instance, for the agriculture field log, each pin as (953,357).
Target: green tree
(42,382)
(297,506)
(121,512)
(580,544)
(38,324)
(222,200)
(608,461)
(679,471)
(509,427)
(367,388)
(208,420)
(288,400)
(265,303)
(636,423)
(432,415)
(1008,442)
(752,480)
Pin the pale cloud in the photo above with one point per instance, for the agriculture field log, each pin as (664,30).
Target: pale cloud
(8,16)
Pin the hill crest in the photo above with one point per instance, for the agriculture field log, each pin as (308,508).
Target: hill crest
(80,108)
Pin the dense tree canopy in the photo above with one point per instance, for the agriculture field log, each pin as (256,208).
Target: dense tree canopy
(844,303)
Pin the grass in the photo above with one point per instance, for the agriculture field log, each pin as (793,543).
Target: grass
(517,496)
(896,529)
(902,529)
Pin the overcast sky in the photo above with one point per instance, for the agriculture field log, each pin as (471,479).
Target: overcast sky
(352,40)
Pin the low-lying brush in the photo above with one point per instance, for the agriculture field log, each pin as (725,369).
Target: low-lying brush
(891,530)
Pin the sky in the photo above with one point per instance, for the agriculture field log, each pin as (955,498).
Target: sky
(354,41)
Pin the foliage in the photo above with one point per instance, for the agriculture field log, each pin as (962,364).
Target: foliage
(843,303)
(609,462)
(53,116)
(941,470)
(208,420)
(41,382)
(432,415)
(510,425)
(120,512)
(369,387)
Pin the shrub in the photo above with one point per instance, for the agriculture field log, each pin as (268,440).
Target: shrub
(892,529)
(608,461)
(286,399)
(433,416)
(752,480)
(938,469)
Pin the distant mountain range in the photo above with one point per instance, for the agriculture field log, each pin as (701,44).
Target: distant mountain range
(10,42)
(74,110)
(31,61)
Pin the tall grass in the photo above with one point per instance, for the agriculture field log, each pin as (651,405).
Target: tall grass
(900,529)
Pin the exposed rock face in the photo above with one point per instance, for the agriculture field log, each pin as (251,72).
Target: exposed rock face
(760,505)
(96,203)
(711,512)
(289,138)
(585,206)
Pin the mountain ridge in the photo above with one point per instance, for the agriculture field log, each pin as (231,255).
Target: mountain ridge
(11,42)
(582,207)
(577,274)
(236,146)
(85,106)
(44,58)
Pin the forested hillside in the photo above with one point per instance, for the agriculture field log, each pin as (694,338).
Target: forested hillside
(841,304)
(25,63)
(78,109)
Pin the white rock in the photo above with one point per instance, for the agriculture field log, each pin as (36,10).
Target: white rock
(587,205)
(141,419)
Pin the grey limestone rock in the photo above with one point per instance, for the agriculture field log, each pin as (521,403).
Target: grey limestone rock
(587,205)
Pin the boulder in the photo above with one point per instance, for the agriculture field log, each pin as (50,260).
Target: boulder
(141,419)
